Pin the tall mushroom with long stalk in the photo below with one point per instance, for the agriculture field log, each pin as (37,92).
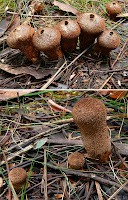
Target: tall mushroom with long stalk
(89,114)
(47,40)
(70,30)
(21,38)
(91,26)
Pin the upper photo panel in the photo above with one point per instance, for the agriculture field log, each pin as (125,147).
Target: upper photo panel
(49,44)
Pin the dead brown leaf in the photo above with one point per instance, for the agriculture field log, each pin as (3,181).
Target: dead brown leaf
(114,94)
(38,74)
(57,107)
(66,7)
(7,94)
(122,15)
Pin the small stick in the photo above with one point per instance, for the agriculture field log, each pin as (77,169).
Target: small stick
(18,153)
(90,189)
(58,74)
(105,82)
(87,175)
(45,175)
(115,193)
(119,54)
(98,190)
(35,137)
(53,77)
(63,121)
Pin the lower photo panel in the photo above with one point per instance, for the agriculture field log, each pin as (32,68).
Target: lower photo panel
(67,144)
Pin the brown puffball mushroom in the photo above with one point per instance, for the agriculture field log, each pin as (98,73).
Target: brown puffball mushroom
(21,38)
(91,26)
(18,178)
(113,9)
(107,41)
(90,115)
(70,30)
(76,160)
(47,39)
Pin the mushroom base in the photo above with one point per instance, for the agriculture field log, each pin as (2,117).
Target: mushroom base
(86,40)
(54,53)
(18,187)
(31,53)
(98,145)
(69,45)
(101,50)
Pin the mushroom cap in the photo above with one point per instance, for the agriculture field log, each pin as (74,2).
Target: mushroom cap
(69,28)
(91,23)
(109,39)
(18,175)
(46,38)
(113,8)
(89,112)
(76,160)
(20,36)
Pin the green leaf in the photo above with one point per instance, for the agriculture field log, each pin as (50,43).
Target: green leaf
(41,143)
(104,9)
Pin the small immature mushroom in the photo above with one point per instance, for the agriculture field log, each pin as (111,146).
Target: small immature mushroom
(107,41)
(70,31)
(113,9)
(47,39)
(91,26)
(37,7)
(21,38)
(18,178)
(76,160)
(89,115)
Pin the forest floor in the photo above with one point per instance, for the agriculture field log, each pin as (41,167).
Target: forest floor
(77,70)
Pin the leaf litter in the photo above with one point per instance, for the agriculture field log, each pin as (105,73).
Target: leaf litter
(32,138)
(87,71)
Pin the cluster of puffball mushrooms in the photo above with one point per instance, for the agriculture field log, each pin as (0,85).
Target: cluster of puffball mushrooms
(89,115)
(53,41)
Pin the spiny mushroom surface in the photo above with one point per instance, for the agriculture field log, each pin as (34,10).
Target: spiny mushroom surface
(18,178)
(107,41)
(21,38)
(76,160)
(113,9)
(70,30)
(91,26)
(89,115)
(47,39)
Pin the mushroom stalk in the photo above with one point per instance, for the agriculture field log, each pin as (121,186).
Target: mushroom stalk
(89,114)
(70,31)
